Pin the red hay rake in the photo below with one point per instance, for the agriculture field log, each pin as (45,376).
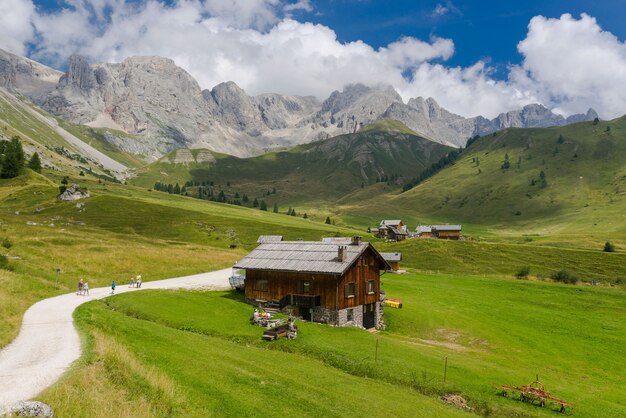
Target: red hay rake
(534,392)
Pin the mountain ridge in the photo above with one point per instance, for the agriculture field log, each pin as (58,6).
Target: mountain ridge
(165,109)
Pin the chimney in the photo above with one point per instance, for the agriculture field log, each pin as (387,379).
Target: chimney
(356,240)
(341,253)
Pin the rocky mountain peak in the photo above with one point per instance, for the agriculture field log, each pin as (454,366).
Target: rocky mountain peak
(25,76)
(79,74)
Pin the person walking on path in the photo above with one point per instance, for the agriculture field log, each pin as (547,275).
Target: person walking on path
(132,282)
(113,287)
(80,287)
(86,288)
(139,281)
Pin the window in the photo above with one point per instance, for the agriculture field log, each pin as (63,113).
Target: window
(305,286)
(260,285)
(350,290)
(371,289)
(350,315)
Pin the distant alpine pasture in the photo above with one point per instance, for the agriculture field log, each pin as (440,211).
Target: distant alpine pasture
(535,287)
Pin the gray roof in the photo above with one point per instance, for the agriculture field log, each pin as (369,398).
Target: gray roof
(392,222)
(269,238)
(303,256)
(447,227)
(392,256)
(423,228)
(337,240)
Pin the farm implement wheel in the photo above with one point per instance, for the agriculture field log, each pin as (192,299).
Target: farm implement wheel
(534,391)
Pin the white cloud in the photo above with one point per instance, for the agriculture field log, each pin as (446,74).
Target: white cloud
(568,64)
(15,25)
(573,64)
(299,5)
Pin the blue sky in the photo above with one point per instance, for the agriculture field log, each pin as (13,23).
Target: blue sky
(484,29)
(481,29)
(473,57)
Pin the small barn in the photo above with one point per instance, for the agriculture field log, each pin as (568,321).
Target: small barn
(393,259)
(447,231)
(320,282)
(424,231)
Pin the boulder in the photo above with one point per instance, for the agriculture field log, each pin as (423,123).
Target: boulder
(31,409)
(74,192)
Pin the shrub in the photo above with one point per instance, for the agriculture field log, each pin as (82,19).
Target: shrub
(4,262)
(6,243)
(609,247)
(564,276)
(522,273)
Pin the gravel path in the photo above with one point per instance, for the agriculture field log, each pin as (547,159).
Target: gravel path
(48,342)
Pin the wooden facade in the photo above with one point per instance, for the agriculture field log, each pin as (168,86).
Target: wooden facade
(273,286)
(317,281)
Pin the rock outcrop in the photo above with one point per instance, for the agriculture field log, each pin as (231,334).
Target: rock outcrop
(30,409)
(74,192)
(25,76)
(162,108)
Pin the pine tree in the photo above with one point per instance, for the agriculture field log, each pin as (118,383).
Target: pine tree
(244,198)
(275,208)
(176,189)
(327,222)
(14,159)
(305,216)
(263,205)
(35,163)
(157,186)
(255,203)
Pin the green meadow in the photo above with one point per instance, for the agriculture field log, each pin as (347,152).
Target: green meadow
(491,330)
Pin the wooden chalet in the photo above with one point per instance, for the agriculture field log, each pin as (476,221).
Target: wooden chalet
(320,282)
(447,231)
(424,231)
(393,230)
(393,259)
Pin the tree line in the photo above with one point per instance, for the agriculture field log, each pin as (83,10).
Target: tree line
(13,159)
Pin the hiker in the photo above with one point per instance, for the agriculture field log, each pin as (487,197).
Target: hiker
(255,315)
(80,287)
(86,288)
(139,281)
(113,287)
(132,282)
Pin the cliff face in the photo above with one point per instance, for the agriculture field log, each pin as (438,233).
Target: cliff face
(165,109)
(27,77)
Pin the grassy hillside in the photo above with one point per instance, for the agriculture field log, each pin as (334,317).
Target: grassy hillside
(36,128)
(120,231)
(582,192)
(492,331)
(308,174)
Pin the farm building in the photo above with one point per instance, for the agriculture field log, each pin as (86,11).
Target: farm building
(439,231)
(264,239)
(447,231)
(320,282)
(393,259)
(424,231)
(393,230)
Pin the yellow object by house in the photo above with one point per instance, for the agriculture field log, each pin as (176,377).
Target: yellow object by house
(393,303)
